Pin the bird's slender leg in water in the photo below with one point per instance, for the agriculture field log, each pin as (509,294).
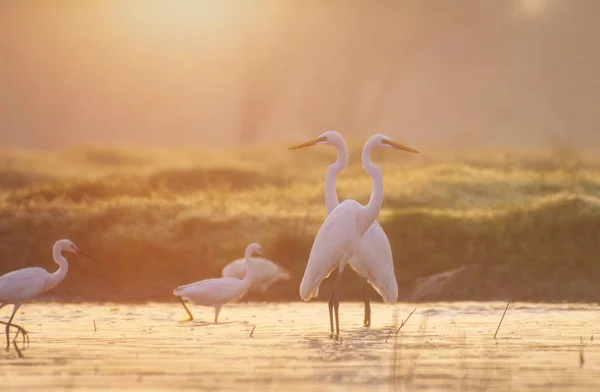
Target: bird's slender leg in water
(20,330)
(335,303)
(330,304)
(186,309)
(217,310)
(367,321)
(23,333)
(17,348)
(336,307)
(15,308)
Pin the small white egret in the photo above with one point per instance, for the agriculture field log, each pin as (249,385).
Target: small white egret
(17,287)
(340,235)
(373,261)
(266,273)
(219,291)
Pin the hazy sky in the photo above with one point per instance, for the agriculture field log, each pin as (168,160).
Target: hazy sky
(186,72)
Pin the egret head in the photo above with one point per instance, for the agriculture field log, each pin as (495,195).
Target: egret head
(66,246)
(69,246)
(254,249)
(383,141)
(331,138)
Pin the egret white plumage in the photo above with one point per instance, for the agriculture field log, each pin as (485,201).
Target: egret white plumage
(373,260)
(340,235)
(17,287)
(219,291)
(266,273)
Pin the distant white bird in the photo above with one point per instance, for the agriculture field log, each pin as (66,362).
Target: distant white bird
(266,273)
(373,261)
(219,291)
(340,235)
(19,286)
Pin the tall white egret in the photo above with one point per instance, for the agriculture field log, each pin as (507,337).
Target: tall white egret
(17,287)
(266,273)
(340,236)
(219,291)
(373,261)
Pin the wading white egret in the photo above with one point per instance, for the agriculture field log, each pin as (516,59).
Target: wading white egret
(373,260)
(219,291)
(340,235)
(19,286)
(266,273)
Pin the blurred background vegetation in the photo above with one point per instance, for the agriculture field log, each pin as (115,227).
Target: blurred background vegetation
(152,133)
(521,225)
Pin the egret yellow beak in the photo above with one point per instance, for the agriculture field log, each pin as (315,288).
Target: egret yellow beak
(399,146)
(85,255)
(308,143)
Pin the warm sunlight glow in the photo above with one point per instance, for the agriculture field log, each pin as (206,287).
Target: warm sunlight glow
(222,72)
(177,14)
(532,8)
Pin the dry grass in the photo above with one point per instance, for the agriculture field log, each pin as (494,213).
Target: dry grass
(528,221)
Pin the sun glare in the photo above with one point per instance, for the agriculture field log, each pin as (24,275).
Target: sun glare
(179,15)
(532,8)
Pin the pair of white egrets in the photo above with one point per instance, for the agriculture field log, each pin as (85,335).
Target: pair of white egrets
(350,234)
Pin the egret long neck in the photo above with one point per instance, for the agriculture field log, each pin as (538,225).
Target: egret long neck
(331,197)
(373,208)
(61,272)
(249,270)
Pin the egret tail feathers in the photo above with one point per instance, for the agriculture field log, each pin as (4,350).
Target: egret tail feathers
(388,291)
(177,291)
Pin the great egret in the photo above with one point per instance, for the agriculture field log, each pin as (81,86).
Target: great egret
(340,235)
(373,260)
(265,273)
(16,287)
(219,291)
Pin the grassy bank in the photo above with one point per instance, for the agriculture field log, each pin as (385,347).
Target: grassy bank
(526,223)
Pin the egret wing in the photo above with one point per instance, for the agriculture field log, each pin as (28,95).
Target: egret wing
(373,260)
(23,284)
(265,272)
(212,292)
(236,269)
(334,239)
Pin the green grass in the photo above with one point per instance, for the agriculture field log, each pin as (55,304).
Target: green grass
(526,223)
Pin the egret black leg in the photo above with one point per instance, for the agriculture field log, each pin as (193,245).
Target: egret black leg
(15,308)
(335,303)
(217,310)
(186,309)
(331,313)
(336,306)
(20,330)
(367,319)
(23,333)
(17,348)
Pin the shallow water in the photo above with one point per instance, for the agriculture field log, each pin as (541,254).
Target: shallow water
(444,346)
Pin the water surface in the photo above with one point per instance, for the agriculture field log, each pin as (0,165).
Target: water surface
(444,346)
